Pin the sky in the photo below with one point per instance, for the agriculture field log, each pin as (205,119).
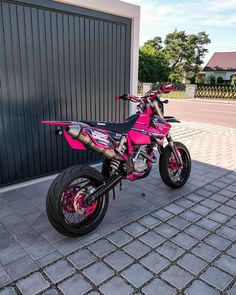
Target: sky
(216,17)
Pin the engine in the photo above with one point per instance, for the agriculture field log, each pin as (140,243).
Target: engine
(140,159)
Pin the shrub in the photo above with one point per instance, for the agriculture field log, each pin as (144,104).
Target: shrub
(201,80)
(233,81)
(210,79)
(219,80)
(225,84)
(192,79)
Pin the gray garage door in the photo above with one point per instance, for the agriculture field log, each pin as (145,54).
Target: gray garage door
(57,62)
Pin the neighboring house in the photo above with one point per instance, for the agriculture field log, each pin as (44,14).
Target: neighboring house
(61,60)
(222,64)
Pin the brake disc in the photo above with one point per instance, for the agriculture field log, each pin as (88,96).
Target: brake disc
(79,205)
(79,202)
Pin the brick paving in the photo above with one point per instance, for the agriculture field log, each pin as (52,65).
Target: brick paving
(153,240)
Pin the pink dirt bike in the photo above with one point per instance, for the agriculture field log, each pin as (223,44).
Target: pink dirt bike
(78,198)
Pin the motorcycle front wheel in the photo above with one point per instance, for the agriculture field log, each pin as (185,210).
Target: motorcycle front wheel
(65,208)
(171,174)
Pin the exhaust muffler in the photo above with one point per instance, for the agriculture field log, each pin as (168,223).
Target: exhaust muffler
(75,131)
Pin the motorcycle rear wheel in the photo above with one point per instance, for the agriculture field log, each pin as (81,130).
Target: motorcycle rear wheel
(174,179)
(58,208)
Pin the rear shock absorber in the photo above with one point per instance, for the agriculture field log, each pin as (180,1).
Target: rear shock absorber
(115,164)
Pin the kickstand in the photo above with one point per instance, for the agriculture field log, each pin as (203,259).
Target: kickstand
(114,193)
(120,186)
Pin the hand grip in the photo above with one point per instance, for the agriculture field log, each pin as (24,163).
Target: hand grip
(124,97)
(166,88)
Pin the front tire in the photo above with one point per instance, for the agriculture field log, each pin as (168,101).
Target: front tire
(58,209)
(173,177)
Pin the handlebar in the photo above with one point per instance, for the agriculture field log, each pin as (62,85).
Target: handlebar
(129,97)
(163,88)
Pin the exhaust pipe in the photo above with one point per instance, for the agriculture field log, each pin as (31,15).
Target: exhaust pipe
(75,131)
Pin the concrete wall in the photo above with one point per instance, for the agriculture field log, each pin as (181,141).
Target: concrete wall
(190,90)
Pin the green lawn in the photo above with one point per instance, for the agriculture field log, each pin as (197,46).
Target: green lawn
(175,94)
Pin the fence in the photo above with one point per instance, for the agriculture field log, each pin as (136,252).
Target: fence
(216,92)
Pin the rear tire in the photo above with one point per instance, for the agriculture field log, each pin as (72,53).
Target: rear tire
(54,206)
(165,173)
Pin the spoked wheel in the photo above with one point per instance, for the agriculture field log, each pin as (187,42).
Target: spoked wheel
(66,208)
(72,201)
(171,174)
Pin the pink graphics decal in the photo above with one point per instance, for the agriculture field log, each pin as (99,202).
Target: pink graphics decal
(100,137)
(142,131)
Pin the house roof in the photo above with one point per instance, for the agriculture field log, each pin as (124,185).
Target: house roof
(222,61)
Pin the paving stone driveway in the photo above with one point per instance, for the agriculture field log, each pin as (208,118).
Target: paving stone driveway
(153,240)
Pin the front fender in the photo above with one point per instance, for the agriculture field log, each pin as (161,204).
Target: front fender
(170,119)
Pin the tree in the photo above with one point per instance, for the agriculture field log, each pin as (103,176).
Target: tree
(182,56)
(155,43)
(198,50)
(153,65)
(175,77)
(186,52)
(175,49)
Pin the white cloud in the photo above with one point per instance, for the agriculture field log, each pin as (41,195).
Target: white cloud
(222,21)
(160,19)
(219,5)
(217,17)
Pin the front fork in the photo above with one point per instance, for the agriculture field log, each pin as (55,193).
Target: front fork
(173,146)
(175,150)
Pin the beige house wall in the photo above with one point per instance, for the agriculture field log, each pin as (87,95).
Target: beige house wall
(224,74)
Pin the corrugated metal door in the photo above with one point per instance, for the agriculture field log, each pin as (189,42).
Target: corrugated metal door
(57,62)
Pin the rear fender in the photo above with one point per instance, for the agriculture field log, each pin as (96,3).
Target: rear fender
(74,143)
(61,123)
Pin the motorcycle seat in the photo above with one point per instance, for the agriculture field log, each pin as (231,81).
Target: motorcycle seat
(115,127)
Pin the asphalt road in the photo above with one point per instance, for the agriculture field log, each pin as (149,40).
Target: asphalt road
(217,113)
